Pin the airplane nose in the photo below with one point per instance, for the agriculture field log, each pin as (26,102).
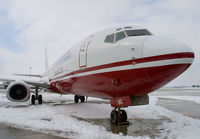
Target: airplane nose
(155,45)
(165,59)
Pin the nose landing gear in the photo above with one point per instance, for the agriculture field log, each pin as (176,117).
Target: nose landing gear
(77,98)
(118,117)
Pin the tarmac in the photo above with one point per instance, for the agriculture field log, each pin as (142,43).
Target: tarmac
(137,127)
(187,108)
(7,132)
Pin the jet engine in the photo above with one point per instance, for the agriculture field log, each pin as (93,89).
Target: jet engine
(18,91)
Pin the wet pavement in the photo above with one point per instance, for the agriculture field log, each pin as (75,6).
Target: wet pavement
(7,132)
(187,108)
(137,127)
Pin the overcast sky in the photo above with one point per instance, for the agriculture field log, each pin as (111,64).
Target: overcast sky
(27,26)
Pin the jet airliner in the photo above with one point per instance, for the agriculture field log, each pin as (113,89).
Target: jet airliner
(123,64)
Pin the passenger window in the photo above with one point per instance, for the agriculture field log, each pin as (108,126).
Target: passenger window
(109,38)
(120,36)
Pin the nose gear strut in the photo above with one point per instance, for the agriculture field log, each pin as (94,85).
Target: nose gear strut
(118,116)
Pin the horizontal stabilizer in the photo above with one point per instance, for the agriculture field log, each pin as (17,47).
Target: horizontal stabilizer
(29,75)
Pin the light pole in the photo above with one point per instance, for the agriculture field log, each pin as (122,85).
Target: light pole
(30,68)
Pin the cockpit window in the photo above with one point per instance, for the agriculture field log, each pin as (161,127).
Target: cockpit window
(127,27)
(120,36)
(139,32)
(109,38)
(118,29)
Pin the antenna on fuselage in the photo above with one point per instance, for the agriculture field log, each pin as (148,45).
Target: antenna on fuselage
(46,59)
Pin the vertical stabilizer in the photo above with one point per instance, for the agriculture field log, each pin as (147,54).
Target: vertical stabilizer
(46,59)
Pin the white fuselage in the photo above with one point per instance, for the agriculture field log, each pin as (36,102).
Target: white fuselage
(90,67)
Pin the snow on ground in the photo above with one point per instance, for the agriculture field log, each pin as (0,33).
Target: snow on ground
(58,114)
(57,119)
(181,127)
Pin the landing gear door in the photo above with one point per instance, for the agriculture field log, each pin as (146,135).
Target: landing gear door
(83,52)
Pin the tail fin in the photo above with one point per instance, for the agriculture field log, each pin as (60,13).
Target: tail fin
(46,59)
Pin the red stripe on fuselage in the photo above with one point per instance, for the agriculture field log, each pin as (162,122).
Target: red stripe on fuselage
(168,56)
(129,62)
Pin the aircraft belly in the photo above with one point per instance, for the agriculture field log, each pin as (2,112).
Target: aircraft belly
(134,82)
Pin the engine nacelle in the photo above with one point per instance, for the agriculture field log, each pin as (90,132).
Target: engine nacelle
(18,92)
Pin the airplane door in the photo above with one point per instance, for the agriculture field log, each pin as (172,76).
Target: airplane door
(83,52)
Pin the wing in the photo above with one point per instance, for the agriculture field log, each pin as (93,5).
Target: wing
(29,75)
(40,83)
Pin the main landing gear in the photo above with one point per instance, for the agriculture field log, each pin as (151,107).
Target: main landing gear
(77,98)
(118,116)
(37,97)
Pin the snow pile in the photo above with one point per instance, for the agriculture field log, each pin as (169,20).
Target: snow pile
(57,120)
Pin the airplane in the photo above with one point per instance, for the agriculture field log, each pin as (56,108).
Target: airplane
(123,64)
